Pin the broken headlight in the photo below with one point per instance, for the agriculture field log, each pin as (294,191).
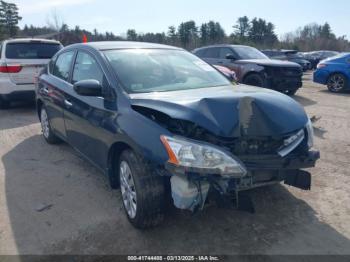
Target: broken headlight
(202,157)
(310,134)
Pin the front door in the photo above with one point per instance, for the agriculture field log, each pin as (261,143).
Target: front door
(229,63)
(85,115)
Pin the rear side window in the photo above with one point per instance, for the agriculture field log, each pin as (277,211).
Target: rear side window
(62,66)
(86,67)
(212,52)
(31,50)
(200,53)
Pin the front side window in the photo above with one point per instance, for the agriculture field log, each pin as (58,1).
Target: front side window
(160,70)
(31,50)
(62,65)
(86,67)
(224,51)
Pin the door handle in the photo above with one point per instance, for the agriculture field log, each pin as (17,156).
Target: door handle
(45,90)
(68,103)
(219,62)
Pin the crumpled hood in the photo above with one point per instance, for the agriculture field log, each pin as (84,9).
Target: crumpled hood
(229,111)
(268,62)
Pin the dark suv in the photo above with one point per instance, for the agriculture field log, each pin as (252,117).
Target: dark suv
(289,55)
(163,124)
(252,67)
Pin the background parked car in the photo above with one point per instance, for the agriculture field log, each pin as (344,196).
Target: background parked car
(20,61)
(253,67)
(316,56)
(334,72)
(289,55)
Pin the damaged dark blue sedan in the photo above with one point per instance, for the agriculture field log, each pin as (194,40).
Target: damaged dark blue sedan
(159,122)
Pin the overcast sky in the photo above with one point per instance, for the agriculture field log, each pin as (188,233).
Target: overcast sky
(156,15)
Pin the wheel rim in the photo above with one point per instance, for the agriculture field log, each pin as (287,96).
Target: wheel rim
(336,82)
(45,123)
(128,189)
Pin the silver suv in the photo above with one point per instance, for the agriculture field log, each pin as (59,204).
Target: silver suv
(20,62)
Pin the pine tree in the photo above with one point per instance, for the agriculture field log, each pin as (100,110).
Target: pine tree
(9,19)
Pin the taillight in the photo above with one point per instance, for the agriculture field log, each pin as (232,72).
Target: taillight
(10,68)
(321,66)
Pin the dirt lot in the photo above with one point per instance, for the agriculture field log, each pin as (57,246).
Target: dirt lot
(53,201)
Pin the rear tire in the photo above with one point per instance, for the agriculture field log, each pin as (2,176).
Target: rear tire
(143,191)
(254,80)
(48,134)
(337,83)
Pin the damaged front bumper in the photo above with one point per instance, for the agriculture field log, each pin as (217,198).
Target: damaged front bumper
(191,186)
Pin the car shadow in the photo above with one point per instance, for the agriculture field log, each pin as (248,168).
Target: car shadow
(344,93)
(58,203)
(320,132)
(304,101)
(20,114)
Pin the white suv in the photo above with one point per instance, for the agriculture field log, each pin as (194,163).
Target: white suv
(20,62)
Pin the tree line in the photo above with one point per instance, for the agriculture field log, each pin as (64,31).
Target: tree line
(256,32)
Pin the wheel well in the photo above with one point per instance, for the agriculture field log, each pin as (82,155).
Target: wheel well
(113,155)
(250,74)
(39,104)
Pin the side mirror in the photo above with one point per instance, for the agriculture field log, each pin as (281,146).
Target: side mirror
(230,56)
(88,87)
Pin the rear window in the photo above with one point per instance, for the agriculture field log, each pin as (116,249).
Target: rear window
(31,50)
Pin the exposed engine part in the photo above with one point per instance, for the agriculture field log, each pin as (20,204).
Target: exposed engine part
(238,146)
(188,194)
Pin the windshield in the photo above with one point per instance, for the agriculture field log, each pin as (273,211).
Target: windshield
(161,70)
(246,52)
(31,50)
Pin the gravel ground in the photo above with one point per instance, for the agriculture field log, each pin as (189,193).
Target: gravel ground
(54,202)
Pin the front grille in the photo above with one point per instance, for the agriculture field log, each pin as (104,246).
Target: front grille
(278,72)
(255,146)
(292,71)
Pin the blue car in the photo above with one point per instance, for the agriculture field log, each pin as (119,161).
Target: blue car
(161,123)
(334,72)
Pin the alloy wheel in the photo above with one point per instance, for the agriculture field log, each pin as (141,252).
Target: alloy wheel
(336,82)
(45,123)
(128,189)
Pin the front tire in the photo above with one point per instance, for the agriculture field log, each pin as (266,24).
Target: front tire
(48,134)
(290,92)
(4,104)
(337,83)
(143,192)
(254,80)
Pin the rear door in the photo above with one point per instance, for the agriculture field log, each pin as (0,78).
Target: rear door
(53,86)
(31,57)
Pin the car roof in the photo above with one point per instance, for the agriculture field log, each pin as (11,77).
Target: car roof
(108,45)
(29,40)
(220,45)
